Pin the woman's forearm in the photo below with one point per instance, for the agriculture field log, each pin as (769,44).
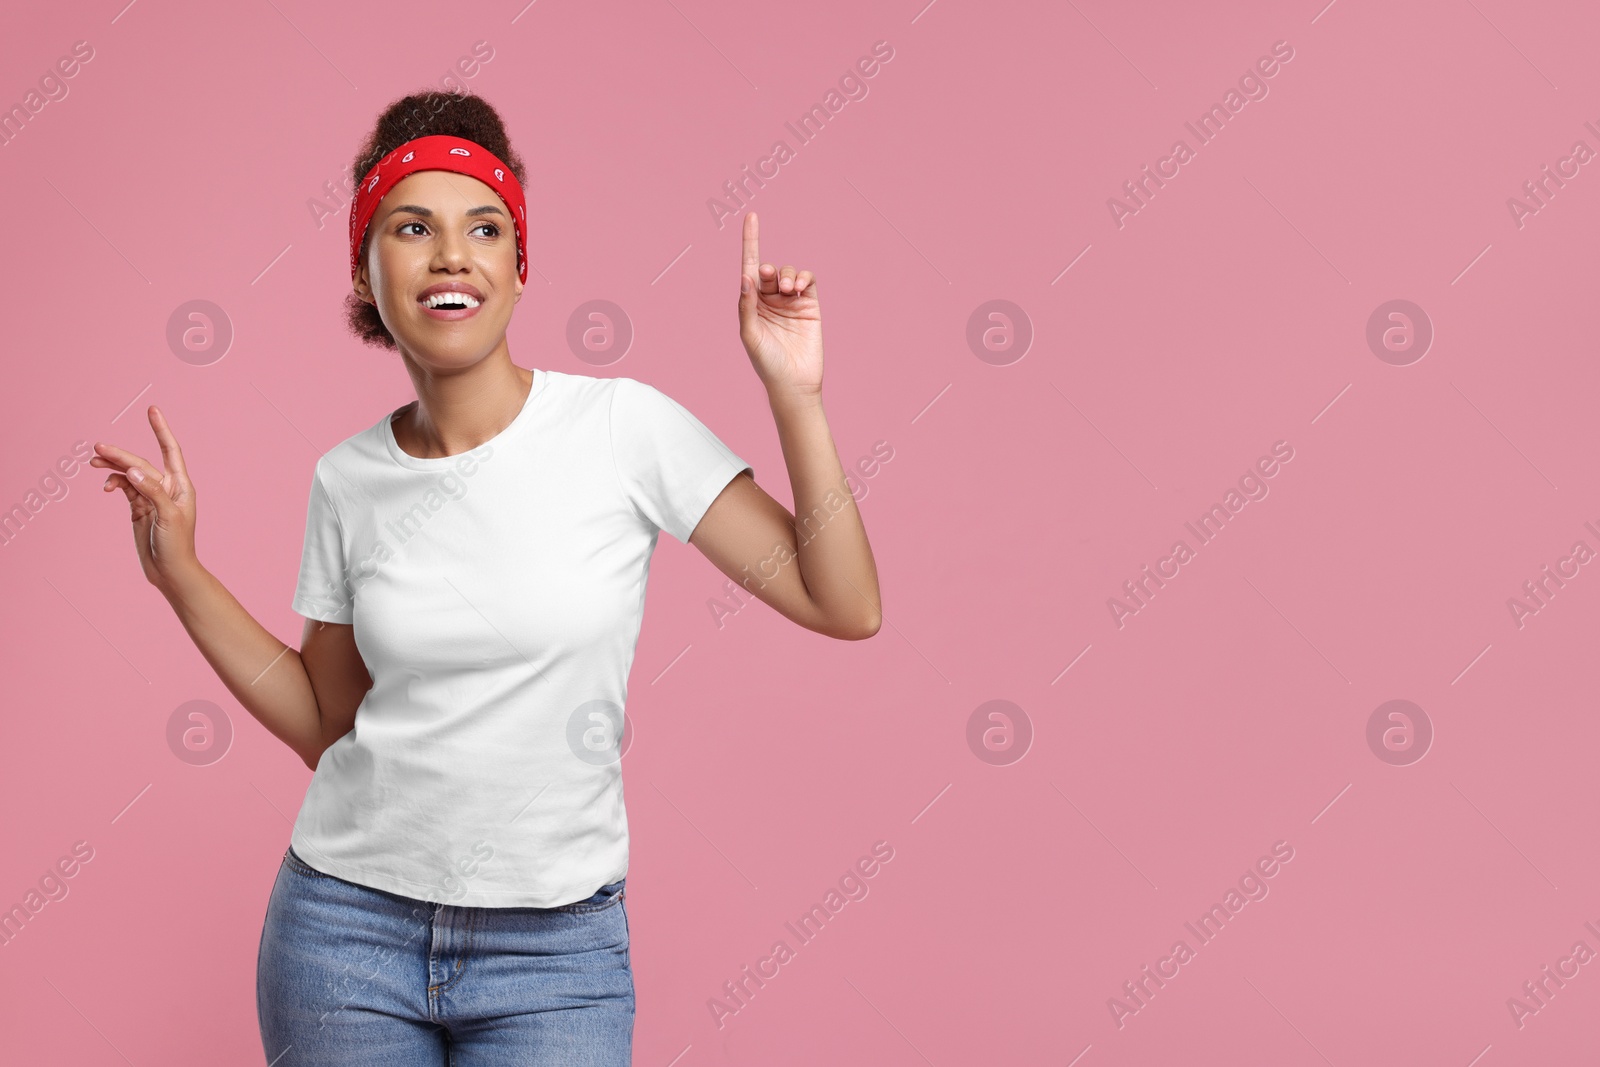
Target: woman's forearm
(266,676)
(831,541)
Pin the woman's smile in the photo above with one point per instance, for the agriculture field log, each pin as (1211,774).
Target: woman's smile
(449,301)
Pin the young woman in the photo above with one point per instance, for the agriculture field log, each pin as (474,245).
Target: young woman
(473,579)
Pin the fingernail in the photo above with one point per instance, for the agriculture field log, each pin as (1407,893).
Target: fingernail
(744,283)
(136,474)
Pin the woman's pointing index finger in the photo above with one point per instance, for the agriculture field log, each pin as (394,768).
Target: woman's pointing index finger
(752,251)
(171,454)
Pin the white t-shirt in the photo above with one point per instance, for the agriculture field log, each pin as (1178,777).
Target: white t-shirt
(496,597)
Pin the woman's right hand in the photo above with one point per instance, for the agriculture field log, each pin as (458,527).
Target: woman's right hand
(162,504)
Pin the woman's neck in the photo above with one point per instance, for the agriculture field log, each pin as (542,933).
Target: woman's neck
(458,412)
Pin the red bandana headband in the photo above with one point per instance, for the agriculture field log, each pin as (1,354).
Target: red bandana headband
(437,152)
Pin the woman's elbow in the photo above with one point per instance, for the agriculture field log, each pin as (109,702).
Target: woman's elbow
(312,756)
(855,629)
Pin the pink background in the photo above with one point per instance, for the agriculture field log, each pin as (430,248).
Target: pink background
(1228,314)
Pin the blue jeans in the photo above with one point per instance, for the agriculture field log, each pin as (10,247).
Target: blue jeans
(352,975)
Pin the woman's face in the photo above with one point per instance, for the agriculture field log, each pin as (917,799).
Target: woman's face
(439,228)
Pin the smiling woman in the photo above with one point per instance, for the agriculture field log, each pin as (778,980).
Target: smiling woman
(413,249)
(463,670)
(455,114)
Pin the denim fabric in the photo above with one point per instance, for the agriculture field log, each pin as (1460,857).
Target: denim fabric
(354,976)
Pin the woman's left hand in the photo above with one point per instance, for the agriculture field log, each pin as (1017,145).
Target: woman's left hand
(780,321)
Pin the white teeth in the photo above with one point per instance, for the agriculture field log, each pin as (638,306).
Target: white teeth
(450,298)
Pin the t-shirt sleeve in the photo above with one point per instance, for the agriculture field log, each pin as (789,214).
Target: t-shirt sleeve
(320,592)
(670,466)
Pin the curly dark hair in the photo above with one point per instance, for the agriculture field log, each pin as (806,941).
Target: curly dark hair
(458,114)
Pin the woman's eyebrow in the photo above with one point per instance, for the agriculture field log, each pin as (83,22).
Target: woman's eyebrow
(418,209)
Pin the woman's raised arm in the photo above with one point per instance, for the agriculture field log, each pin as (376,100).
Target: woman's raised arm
(270,679)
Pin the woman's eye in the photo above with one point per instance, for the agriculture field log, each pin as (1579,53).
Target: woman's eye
(491,226)
(405,224)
